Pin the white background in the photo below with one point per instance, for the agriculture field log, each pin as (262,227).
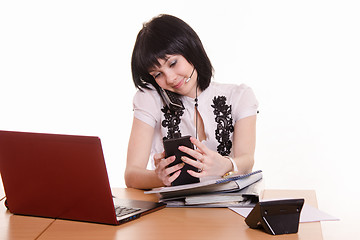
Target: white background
(65,68)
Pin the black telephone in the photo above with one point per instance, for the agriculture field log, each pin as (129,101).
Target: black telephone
(171,147)
(277,216)
(171,99)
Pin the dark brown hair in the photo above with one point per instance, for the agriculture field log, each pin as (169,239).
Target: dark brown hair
(168,35)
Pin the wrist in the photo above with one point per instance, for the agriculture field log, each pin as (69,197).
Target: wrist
(233,164)
(233,168)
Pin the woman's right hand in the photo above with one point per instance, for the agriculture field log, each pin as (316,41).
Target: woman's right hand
(166,174)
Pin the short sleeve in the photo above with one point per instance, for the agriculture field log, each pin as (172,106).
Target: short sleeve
(146,106)
(245,103)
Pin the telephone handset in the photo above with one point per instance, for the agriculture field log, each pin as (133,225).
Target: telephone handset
(172,100)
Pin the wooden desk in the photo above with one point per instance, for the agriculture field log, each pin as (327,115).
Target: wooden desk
(182,223)
(19,227)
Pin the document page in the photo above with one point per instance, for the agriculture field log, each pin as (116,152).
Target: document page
(308,214)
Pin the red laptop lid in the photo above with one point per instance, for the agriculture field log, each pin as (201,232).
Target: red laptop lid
(57,176)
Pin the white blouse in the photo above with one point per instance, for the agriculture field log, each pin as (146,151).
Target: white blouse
(220,106)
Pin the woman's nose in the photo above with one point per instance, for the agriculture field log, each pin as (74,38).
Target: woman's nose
(170,77)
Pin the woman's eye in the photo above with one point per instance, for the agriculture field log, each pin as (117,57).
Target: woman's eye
(156,75)
(173,63)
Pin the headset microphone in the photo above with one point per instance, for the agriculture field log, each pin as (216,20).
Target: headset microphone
(187,80)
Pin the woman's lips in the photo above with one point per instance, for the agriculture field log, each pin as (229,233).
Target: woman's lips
(179,84)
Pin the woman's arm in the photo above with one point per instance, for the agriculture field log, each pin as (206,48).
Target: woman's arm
(136,174)
(244,144)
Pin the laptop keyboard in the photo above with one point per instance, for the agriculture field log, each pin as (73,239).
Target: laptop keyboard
(121,211)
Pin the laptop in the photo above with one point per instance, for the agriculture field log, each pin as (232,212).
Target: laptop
(62,177)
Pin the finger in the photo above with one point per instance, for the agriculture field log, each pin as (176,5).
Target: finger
(199,145)
(174,176)
(195,174)
(196,154)
(192,162)
(165,173)
(163,163)
(170,170)
(158,157)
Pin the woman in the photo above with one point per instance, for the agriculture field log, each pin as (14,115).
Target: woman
(169,55)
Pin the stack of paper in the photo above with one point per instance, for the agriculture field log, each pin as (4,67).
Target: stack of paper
(236,191)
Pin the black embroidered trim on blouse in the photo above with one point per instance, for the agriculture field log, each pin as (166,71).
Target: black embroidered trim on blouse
(172,121)
(224,125)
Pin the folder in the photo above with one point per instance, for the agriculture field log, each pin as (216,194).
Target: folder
(238,190)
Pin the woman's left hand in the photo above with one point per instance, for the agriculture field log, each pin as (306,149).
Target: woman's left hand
(210,163)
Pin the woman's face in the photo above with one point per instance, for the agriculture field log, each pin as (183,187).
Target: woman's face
(173,73)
